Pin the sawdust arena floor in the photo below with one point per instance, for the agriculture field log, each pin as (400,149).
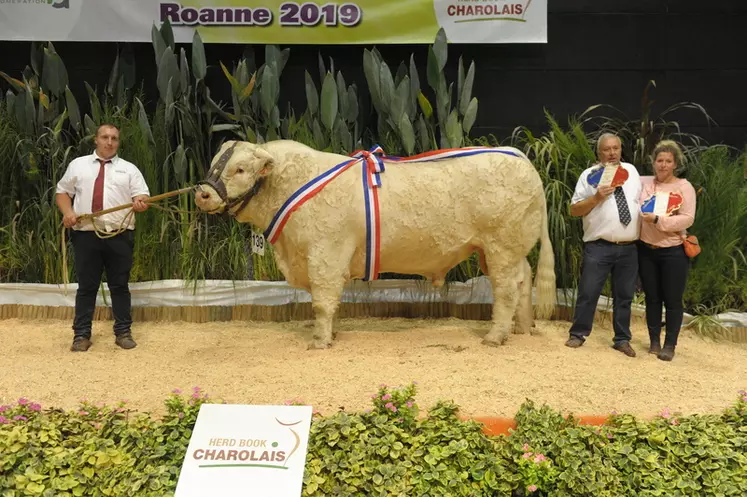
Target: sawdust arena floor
(265,363)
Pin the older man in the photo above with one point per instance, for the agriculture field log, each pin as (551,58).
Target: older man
(611,226)
(93,183)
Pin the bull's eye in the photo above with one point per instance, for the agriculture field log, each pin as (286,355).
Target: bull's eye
(239,170)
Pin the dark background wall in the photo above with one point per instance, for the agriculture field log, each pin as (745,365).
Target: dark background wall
(599,51)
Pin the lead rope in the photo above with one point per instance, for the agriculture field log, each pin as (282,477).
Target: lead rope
(122,225)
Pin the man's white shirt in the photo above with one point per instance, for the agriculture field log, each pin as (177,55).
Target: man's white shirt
(122,181)
(603,222)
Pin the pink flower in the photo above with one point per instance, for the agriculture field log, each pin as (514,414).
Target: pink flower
(196,395)
(409,404)
(383,385)
(35,407)
(388,405)
(675,422)
(386,396)
(20,418)
(4,420)
(539,458)
(177,391)
(4,408)
(525,448)
(527,455)
(195,389)
(181,415)
(532,488)
(23,401)
(666,414)
(83,413)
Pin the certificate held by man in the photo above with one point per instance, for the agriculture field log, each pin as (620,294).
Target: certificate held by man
(613,175)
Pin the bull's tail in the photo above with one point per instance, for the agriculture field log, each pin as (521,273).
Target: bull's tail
(545,278)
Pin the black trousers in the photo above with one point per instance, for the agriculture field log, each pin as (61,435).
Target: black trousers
(93,255)
(600,260)
(663,274)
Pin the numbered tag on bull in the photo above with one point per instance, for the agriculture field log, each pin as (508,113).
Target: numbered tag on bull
(258,243)
(609,175)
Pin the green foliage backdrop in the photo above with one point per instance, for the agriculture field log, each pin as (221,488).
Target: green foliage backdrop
(42,128)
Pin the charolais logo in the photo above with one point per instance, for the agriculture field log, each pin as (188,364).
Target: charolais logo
(461,19)
(50,20)
(57,4)
(248,453)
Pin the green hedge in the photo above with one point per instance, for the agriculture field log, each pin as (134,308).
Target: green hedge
(389,450)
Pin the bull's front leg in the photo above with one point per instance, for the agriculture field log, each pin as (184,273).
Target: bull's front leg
(327,277)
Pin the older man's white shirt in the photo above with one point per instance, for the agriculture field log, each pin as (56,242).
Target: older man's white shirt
(603,222)
(122,181)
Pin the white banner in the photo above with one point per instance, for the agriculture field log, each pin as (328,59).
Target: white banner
(277,21)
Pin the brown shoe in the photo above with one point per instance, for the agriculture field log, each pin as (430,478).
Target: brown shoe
(574,342)
(125,341)
(667,353)
(625,348)
(80,344)
(655,348)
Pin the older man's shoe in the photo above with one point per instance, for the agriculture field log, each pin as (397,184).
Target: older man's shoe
(625,348)
(125,341)
(80,344)
(574,342)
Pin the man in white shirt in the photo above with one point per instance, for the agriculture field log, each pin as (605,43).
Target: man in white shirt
(90,184)
(611,226)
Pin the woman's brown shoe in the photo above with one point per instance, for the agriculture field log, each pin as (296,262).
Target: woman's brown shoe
(655,348)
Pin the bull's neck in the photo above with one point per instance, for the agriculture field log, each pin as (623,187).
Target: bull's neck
(276,190)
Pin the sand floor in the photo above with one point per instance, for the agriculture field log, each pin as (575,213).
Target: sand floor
(268,363)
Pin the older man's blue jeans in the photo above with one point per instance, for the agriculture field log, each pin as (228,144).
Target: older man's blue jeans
(602,258)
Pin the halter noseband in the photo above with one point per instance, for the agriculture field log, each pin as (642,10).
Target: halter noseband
(214,181)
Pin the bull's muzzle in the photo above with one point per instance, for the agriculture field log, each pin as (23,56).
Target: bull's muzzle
(208,200)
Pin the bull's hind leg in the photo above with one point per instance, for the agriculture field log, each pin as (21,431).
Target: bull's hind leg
(524,319)
(505,272)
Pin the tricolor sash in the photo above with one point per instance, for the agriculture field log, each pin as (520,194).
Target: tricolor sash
(374,167)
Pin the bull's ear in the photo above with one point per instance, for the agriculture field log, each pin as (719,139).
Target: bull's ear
(265,160)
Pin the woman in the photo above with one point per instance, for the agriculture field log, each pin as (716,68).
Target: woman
(662,262)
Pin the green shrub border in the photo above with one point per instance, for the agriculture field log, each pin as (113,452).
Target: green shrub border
(391,449)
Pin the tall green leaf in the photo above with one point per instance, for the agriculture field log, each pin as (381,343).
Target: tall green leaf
(329,103)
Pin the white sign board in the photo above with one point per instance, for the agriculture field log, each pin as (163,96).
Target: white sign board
(246,450)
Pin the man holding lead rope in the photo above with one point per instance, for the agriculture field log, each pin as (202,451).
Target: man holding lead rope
(93,183)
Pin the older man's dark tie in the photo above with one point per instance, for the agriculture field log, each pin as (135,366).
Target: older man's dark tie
(622,206)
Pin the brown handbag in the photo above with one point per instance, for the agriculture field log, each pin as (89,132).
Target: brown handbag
(691,245)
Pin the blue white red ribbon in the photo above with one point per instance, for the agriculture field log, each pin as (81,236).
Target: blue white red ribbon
(373,160)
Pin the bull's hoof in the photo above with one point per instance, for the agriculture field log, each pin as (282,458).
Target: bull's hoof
(495,340)
(521,330)
(534,331)
(318,345)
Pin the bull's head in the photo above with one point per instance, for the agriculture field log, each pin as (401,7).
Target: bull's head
(236,175)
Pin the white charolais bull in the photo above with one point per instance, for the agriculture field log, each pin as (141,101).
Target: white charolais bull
(433,215)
